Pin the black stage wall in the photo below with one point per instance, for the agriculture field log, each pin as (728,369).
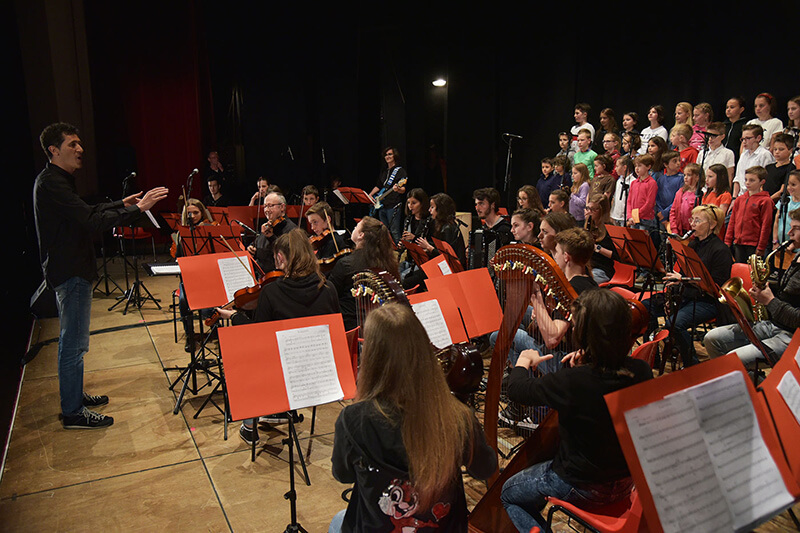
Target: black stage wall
(152,86)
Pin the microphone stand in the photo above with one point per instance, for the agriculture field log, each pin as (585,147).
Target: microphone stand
(507,179)
(698,195)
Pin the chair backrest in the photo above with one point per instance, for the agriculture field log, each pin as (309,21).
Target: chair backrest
(742,270)
(625,293)
(624,274)
(647,350)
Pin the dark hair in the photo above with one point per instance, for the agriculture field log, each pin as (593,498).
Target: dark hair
(658,161)
(300,259)
(584,107)
(578,243)
(561,195)
(378,247)
(605,161)
(547,160)
(757,171)
(739,99)
(612,120)
(53,135)
(395,151)
(490,194)
(559,221)
(310,189)
(773,103)
(635,140)
(717,127)
(634,115)
(445,210)
(723,183)
(422,197)
(659,109)
(757,130)
(563,161)
(784,138)
(602,328)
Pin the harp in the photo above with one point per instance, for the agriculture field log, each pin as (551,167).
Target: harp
(517,268)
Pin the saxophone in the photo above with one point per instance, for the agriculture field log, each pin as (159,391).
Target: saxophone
(759,273)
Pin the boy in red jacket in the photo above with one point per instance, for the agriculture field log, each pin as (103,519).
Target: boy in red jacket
(751,219)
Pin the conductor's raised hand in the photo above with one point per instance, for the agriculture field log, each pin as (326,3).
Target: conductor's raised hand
(152,197)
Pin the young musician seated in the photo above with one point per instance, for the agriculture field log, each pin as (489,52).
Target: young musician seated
(403,441)
(276,225)
(589,469)
(325,241)
(694,306)
(598,214)
(302,292)
(526,225)
(418,223)
(445,228)
(783,307)
(574,247)
(497,230)
(374,249)
(258,198)
(310,195)
(552,224)
(215,197)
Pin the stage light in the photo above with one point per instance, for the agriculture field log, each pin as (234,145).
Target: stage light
(440,82)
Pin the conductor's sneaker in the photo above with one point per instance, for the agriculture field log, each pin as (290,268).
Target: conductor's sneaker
(86,419)
(91,400)
(249,435)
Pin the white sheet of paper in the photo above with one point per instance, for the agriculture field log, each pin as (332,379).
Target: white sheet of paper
(705,460)
(340,196)
(444,267)
(797,357)
(748,474)
(234,275)
(676,464)
(309,368)
(152,219)
(430,315)
(162,270)
(790,392)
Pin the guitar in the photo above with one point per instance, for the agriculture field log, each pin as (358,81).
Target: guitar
(383,193)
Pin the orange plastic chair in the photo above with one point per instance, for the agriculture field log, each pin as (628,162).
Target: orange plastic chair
(624,275)
(742,270)
(624,516)
(647,351)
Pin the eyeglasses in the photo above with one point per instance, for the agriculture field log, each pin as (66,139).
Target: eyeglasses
(270,206)
(695,220)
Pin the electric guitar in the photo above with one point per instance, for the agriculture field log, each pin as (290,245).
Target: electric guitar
(383,193)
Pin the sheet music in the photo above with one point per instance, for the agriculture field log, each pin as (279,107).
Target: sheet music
(790,392)
(340,196)
(666,436)
(705,460)
(162,270)
(444,267)
(152,218)
(430,315)
(234,275)
(748,474)
(309,368)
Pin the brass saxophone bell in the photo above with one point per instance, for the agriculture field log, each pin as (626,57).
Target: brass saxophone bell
(734,287)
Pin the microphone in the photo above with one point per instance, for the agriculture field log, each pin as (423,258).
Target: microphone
(193,173)
(290,152)
(245,226)
(129,176)
(688,234)
(707,133)
(512,136)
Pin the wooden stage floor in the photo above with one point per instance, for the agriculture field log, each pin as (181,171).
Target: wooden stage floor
(152,470)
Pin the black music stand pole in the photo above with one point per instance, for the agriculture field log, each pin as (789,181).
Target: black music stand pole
(293,526)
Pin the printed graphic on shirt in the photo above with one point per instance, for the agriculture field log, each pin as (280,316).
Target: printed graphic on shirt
(399,501)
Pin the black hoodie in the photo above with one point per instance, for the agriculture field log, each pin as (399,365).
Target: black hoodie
(292,298)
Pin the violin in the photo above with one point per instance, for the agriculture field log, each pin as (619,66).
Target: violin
(326,264)
(247,297)
(317,240)
(269,226)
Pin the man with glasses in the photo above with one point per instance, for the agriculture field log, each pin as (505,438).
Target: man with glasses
(753,155)
(276,225)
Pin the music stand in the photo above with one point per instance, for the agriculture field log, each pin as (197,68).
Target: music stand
(206,286)
(274,367)
(352,195)
(450,255)
(133,295)
(635,247)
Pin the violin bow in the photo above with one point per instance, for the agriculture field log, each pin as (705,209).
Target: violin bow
(333,232)
(228,246)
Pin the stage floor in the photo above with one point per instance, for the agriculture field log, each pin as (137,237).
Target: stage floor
(152,470)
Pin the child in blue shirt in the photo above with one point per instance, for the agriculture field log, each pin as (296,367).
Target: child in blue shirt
(548,180)
(668,185)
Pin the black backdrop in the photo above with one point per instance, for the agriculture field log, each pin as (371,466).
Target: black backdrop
(349,79)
